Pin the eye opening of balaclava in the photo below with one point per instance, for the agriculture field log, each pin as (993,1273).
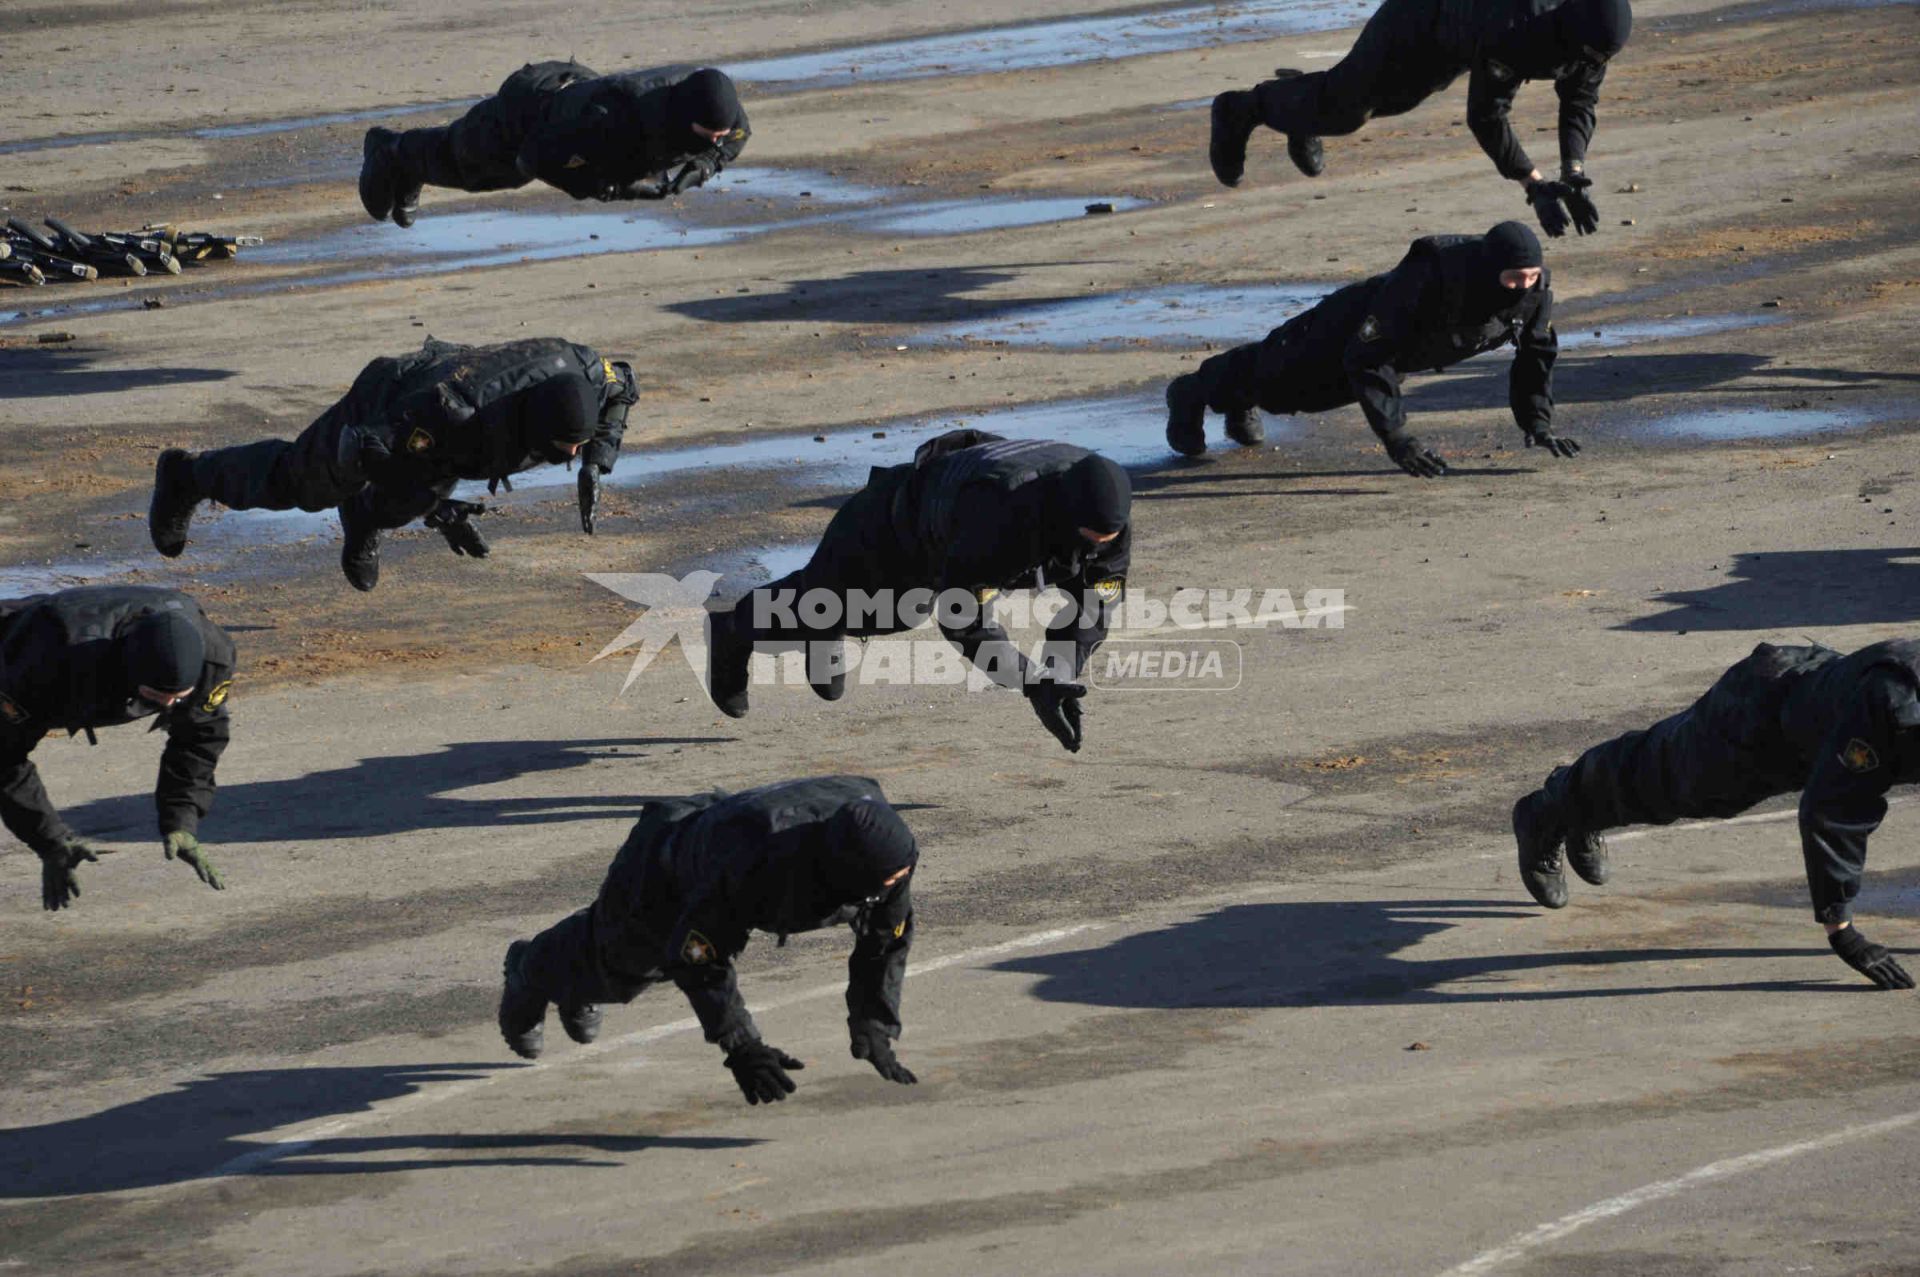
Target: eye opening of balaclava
(558,414)
(163,650)
(1094,492)
(707,98)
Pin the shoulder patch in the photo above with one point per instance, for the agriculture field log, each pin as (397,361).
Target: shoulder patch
(899,929)
(419,441)
(576,162)
(1369,328)
(736,135)
(697,949)
(607,373)
(986,594)
(1111,588)
(1858,756)
(13,713)
(1499,70)
(217,697)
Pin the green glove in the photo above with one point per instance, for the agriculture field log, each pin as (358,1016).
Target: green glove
(184,845)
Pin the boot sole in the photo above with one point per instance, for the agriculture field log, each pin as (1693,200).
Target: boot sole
(168,548)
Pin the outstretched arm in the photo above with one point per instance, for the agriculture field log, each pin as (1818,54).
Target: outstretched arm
(1490,93)
(1530,383)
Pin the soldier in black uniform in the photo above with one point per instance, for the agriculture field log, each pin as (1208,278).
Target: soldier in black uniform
(694,878)
(1842,730)
(603,137)
(1413,49)
(391,450)
(1451,297)
(972,515)
(96,657)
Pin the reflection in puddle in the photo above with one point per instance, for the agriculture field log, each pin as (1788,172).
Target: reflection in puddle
(1063,43)
(954,217)
(1180,315)
(1755,423)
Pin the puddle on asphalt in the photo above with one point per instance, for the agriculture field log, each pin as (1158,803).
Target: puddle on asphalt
(1192,316)
(1754,423)
(1179,315)
(1597,336)
(23,579)
(956,217)
(454,241)
(1061,43)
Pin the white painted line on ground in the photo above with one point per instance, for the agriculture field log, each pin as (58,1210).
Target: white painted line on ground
(287,1146)
(1487,1261)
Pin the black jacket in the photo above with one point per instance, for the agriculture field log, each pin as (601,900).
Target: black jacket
(602,136)
(1855,722)
(712,869)
(976,509)
(448,411)
(61,670)
(1501,44)
(1436,308)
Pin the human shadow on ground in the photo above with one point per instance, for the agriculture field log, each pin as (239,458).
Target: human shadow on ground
(872,296)
(1354,953)
(1789,589)
(1615,378)
(400,793)
(48,373)
(207,1127)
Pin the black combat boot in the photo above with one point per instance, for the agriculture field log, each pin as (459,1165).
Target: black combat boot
(1245,428)
(1186,416)
(360,552)
(1307,154)
(826,674)
(379,155)
(1537,833)
(729,664)
(1587,853)
(175,494)
(582,1023)
(1234,115)
(521,1009)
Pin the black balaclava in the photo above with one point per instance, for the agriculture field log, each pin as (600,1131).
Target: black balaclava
(1094,493)
(866,843)
(164,651)
(1508,246)
(556,414)
(1593,30)
(706,98)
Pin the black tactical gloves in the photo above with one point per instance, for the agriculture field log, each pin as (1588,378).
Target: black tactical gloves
(693,173)
(1058,708)
(449,519)
(1416,458)
(1547,199)
(871,1043)
(1580,206)
(761,1071)
(58,887)
(589,495)
(1558,445)
(1863,955)
(187,848)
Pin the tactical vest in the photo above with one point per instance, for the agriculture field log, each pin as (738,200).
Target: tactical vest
(1005,464)
(444,384)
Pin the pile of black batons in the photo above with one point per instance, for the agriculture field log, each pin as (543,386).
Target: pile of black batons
(29,255)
